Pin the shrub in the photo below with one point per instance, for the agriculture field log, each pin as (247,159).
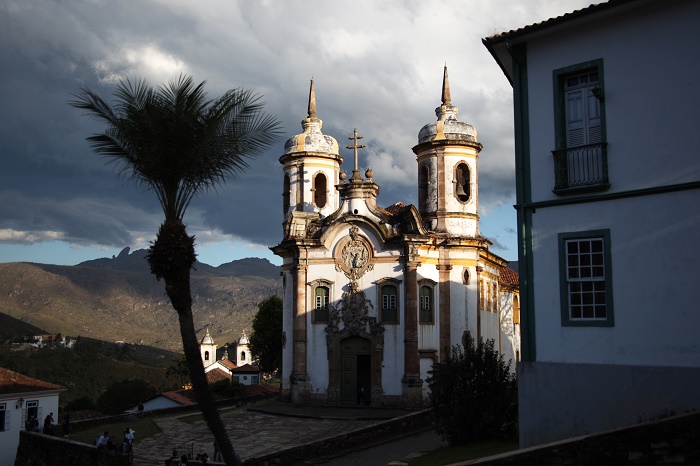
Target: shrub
(474,395)
(227,389)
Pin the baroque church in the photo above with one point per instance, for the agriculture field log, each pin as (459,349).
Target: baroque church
(373,296)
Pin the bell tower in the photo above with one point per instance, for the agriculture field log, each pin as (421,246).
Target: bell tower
(311,167)
(447,155)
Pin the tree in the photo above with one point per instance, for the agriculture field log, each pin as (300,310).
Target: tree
(474,395)
(267,338)
(177,142)
(178,370)
(121,395)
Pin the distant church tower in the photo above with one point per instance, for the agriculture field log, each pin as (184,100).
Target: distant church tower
(447,154)
(243,351)
(207,349)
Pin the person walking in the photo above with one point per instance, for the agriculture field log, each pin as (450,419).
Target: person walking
(48,424)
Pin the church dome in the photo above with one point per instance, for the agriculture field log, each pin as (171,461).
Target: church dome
(207,340)
(312,139)
(447,127)
(244,339)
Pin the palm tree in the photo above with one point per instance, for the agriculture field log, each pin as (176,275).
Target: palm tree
(175,141)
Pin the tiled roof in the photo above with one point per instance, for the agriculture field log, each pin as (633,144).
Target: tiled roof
(246,368)
(227,363)
(217,374)
(593,8)
(261,389)
(184,397)
(508,276)
(394,209)
(14,382)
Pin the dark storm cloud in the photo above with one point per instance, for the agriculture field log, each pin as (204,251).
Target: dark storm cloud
(379,72)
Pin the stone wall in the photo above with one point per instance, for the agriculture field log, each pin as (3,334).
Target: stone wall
(669,441)
(37,449)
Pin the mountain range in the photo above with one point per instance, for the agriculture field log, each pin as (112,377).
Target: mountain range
(118,299)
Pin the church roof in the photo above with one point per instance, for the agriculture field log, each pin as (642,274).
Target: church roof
(227,363)
(312,139)
(14,382)
(447,127)
(207,340)
(217,374)
(244,339)
(184,397)
(394,209)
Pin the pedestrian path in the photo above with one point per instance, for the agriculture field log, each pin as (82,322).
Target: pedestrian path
(258,431)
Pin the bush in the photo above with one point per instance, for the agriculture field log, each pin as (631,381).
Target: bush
(121,395)
(474,395)
(227,389)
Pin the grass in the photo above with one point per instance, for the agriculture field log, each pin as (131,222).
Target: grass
(144,428)
(457,453)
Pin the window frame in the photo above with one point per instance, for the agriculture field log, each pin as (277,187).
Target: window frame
(383,313)
(429,285)
(561,167)
(316,317)
(467,185)
(320,189)
(566,319)
(4,417)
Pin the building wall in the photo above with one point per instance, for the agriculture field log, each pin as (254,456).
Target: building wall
(9,439)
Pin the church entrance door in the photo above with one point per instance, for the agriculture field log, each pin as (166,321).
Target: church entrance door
(356,358)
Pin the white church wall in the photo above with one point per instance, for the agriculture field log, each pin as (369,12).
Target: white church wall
(287,325)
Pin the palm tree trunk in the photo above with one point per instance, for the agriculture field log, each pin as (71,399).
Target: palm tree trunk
(176,275)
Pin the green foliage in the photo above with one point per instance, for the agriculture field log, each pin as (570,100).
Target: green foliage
(227,389)
(474,395)
(86,371)
(179,371)
(121,395)
(84,402)
(267,338)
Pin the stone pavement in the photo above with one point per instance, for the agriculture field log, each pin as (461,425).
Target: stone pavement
(259,430)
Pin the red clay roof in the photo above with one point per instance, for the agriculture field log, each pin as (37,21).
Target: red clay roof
(14,382)
(227,363)
(508,276)
(217,374)
(246,368)
(184,397)
(261,389)
(394,209)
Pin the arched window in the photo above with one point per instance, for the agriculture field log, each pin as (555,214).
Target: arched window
(242,356)
(426,315)
(321,294)
(516,310)
(206,355)
(320,188)
(286,193)
(462,182)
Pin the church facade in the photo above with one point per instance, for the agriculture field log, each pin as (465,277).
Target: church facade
(374,296)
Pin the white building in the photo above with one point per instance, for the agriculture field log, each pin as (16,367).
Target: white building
(374,296)
(608,179)
(21,398)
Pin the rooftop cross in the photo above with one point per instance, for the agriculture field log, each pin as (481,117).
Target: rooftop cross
(355,137)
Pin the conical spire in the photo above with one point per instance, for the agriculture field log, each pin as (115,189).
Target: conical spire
(445,88)
(312,101)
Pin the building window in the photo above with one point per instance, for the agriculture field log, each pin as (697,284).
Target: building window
(580,157)
(516,310)
(237,378)
(32,410)
(320,190)
(586,278)
(390,304)
(462,182)
(242,356)
(426,315)
(494,296)
(4,417)
(481,295)
(254,379)
(206,355)
(321,294)
(423,184)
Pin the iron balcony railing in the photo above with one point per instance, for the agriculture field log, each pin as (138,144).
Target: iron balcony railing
(582,168)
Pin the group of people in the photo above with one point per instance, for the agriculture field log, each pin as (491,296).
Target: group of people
(49,427)
(107,442)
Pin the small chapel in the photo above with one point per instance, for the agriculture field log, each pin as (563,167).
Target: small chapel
(374,296)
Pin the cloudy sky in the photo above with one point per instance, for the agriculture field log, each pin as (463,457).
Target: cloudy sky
(377,67)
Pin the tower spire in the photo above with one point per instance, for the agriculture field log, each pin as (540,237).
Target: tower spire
(445,88)
(312,100)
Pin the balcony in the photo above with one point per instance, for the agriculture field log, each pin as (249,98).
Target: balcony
(581,169)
